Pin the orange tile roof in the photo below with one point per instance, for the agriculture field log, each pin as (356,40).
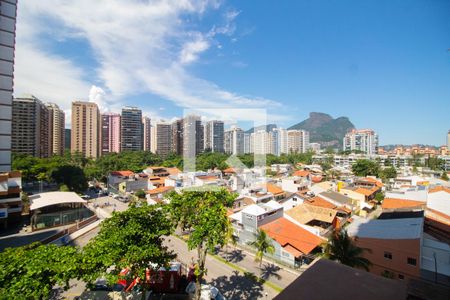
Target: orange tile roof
(439,189)
(229,170)
(365,192)
(393,203)
(207,178)
(301,173)
(122,173)
(318,201)
(159,190)
(377,183)
(173,171)
(289,235)
(274,189)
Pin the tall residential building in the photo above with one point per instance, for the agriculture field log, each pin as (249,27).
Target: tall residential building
(214,136)
(297,141)
(365,140)
(132,133)
(146,133)
(234,141)
(193,136)
(263,142)
(67,138)
(111,131)
(8,11)
(30,127)
(163,138)
(86,125)
(152,138)
(177,136)
(57,121)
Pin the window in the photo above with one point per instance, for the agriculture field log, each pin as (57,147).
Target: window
(401,277)
(387,255)
(412,261)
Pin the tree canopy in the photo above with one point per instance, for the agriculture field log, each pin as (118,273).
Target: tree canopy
(130,239)
(365,167)
(203,213)
(341,248)
(31,272)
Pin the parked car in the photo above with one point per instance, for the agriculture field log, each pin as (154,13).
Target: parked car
(86,197)
(208,292)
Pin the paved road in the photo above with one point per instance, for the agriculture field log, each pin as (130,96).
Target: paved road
(231,283)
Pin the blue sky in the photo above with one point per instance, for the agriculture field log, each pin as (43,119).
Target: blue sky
(383,64)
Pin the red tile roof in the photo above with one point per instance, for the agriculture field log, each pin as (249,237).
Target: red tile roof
(290,236)
(318,201)
(393,203)
(439,189)
(122,173)
(366,192)
(301,173)
(274,189)
(159,190)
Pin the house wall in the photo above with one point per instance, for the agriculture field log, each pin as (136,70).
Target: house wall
(400,250)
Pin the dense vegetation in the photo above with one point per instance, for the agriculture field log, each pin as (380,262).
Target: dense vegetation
(73,170)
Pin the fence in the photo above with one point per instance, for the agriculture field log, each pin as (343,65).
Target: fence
(69,230)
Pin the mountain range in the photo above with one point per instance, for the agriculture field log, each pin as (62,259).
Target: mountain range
(323,129)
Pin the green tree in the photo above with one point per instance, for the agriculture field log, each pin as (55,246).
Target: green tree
(444,176)
(263,244)
(230,238)
(130,239)
(341,248)
(203,213)
(387,173)
(379,197)
(64,188)
(31,272)
(365,167)
(140,194)
(72,176)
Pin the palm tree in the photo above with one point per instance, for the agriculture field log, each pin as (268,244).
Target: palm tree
(341,248)
(230,237)
(263,244)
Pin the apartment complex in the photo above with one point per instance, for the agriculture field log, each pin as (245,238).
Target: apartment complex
(8,12)
(365,140)
(31,127)
(132,131)
(193,136)
(177,136)
(57,121)
(214,136)
(234,141)
(163,138)
(85,134)
(111,131)
(146,133)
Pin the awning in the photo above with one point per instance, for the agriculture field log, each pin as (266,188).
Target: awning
(53,198)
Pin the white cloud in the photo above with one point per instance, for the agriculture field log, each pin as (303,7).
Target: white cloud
(140,46)
(97,95)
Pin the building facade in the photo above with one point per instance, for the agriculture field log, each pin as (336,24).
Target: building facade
(31,127)
(111,131)
(132,132)
(8,12)
(146,132)
(234,141)
(177,136)
(163,139)
(193,136)
(298,141)
(214,136)
(364,140)
(85,133)
(57,119)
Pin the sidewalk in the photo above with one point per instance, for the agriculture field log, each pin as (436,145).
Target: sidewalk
(269,271)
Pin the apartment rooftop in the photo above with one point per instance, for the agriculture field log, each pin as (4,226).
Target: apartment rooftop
(407,228)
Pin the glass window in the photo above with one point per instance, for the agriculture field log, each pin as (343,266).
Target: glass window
(387,255)
(412,261)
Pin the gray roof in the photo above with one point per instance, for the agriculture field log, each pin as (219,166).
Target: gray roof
(326,279)
(406,228)
(337,197)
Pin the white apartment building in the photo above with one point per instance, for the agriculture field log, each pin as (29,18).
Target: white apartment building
(365,140)
(234,140)
(263,142)
(298,141)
